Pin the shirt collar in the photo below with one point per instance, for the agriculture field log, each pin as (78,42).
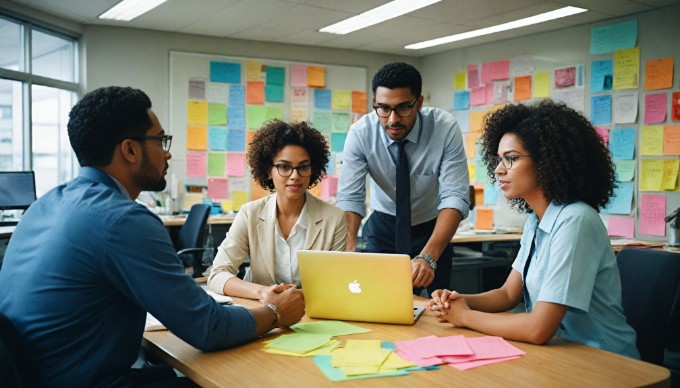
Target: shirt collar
(550,216)
(107,179)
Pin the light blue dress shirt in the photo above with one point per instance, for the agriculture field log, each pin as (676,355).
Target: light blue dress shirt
(437,163)
(574,265)
(83,267)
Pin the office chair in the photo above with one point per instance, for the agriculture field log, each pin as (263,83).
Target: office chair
(650,283)
(190,237)
(13,364)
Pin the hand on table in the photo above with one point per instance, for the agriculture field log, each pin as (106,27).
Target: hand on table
(448,306)
(422,274)
(290,302)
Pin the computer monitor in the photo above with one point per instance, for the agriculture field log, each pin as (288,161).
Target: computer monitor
(17,189)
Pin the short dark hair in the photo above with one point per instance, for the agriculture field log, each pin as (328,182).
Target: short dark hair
(275,135)
(103,118)
(398,75)
(571,159)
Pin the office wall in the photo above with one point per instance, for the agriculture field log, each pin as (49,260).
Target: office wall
(657,38)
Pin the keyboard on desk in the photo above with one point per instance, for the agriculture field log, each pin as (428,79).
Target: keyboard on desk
(9,223)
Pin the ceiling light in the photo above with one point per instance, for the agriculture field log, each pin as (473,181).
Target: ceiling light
(544,17)
(377,15)
(127,10)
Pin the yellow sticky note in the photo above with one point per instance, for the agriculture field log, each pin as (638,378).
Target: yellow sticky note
(190,199)
(362,353)
(476,120)
(393,361)
(253,71)
(651,174)
(227,206)
(471,171)
(197,112)
(542,84)
(197,137)
(340,99)
(670,174)
(459,80)
(238,199)
(484,219)
(627,68)
(651,140)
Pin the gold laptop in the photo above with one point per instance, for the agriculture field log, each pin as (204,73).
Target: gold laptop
(369,287)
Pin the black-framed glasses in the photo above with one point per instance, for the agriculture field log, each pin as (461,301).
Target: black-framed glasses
(507,160)
(166,140)
(402,110)
(286,170)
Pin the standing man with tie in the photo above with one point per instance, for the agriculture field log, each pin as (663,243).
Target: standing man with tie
(419,186)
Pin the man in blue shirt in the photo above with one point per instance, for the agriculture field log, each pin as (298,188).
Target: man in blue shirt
(437,169)
(87,262)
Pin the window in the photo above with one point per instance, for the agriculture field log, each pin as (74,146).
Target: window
(38,85)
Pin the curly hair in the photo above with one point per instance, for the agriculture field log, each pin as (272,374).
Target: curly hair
(572,161)
(103,118)
(275,135)
(398,75)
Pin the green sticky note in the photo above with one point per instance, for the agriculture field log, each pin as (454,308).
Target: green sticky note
(216,164)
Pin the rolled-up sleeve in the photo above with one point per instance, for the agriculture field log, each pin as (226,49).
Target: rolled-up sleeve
(454,181)
(352,184)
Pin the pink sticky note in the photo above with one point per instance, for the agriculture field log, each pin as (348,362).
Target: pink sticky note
(236,164)
(415,348)
(478,95)
(652,213)
(454,345)
(422,362)
(298,74)
(473,76)
(656,108)
(604,133)
(484,348)
(217,188)
(333,185)
(473,364)
(196,164)
(621,226)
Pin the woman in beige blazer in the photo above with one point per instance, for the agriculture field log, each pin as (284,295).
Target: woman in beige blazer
(286,159)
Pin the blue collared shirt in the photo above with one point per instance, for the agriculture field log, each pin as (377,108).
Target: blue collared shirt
(437,162)
(83,267)
(574,265)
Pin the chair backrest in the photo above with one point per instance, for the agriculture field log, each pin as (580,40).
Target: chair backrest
(13,366)
(191,233)
(650,282)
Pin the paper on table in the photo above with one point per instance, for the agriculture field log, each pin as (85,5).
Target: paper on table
(333,328)
(152,323)
(335,374)
(359,353)
(484,348)
(322,351)
(473,364)
(299,342)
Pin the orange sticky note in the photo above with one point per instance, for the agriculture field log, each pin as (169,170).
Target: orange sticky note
(470,145)
(316,76)
(255,92)
(659,74)
(479,192)
(257,191)
(671,140)
(249,139)
(523,88)
(197,137)
(476,120)
(358,101)
(484,218)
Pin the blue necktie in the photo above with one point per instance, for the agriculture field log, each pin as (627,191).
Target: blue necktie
(403,219)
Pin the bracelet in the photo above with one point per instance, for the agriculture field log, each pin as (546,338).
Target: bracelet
(277,316)
(428,259)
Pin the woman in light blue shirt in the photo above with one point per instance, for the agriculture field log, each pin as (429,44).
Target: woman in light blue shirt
(549,161)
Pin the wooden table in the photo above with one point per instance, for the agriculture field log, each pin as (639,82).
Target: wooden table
(558,364)
(220,219)
(481,238)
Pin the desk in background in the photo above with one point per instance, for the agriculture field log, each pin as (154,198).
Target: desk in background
(220,219)
(558,364)
(6,231)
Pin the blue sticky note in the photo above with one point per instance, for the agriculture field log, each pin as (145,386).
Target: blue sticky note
(491,192)
(225,72)
(275,75)
(236,118)
(217,138)
(621,202)
(613,37)
(330,167)
(236,140)
(601,109)
(237,95)
(273,93)
(461,100)
(322,98)
(601,75)
(622,143)
(338,141)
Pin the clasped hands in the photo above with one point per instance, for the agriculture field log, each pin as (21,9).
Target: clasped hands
(448,306)
(288,299)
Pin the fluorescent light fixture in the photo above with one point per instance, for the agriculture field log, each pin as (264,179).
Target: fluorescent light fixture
(544,17)
(127,10)
(377,15)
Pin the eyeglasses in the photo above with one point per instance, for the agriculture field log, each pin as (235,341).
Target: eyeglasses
(507,160)
(166,140)
(402,110)
(286,170)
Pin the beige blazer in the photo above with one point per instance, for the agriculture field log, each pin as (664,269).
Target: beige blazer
(253,231)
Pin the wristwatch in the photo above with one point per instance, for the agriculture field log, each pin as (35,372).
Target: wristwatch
(277,316)
(428,259)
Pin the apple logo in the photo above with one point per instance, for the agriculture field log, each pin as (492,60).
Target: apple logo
(355,287)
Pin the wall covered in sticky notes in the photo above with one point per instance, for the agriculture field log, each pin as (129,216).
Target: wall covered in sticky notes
(218,102)
(622,74)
